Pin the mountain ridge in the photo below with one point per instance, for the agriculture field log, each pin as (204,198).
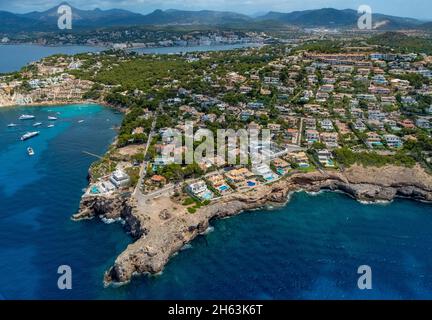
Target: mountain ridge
(334,17)
(98,18)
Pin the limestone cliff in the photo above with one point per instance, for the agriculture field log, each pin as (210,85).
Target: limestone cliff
(159,236)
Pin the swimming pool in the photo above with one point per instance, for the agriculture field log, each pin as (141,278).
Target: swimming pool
(280,171)
(207,195)
(94,190)
(223,188)
(376,144)
(269,177)
(251,184)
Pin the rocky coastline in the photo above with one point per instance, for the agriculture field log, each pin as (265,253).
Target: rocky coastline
(159,235)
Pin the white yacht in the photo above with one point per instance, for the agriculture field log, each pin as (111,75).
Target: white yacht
(26,117)
(37,124)
(29,135)
(30,151)
(11,125)
(51,118)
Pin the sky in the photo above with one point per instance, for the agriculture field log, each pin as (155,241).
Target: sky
(421,9)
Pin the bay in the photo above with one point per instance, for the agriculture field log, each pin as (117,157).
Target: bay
(309,249)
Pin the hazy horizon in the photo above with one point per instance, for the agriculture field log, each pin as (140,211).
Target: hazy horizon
(419,9)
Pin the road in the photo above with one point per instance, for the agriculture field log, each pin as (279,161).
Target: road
(137,194)
(299,136)
(294,148)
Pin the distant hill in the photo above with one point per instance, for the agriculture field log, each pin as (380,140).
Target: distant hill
(402,42)
(426,26)
(86,18)
(313,18)
(329,17)
(97,18)
(10,22)
(194,17)
(117,17)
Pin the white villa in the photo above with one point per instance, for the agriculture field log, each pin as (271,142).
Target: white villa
(120,179)
(199,189)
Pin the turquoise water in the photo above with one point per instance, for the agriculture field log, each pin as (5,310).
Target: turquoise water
(309,249)
(39,194)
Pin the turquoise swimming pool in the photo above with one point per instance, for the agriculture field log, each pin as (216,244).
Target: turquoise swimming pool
(223,188)
(94,190)
(207,196)
(269,177)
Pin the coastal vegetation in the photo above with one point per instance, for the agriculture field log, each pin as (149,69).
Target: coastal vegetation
(194,204)
(133,173)
(102,167)
(347,157)
(400,42)
(324,46)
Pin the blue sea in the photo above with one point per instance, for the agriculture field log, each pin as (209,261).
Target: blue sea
(309,249)
(199,48)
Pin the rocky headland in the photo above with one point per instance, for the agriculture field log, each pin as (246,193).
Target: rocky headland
(161,227)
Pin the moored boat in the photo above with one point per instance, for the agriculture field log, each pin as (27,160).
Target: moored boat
(30,151)
(37,124)
(29,135)
(26,117)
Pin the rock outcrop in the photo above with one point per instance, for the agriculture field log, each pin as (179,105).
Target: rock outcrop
(156,242)
(373,184)
(110,207)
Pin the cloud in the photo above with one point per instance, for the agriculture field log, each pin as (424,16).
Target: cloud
(414,8)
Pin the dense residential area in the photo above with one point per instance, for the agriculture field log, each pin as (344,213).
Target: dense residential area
(365,104)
